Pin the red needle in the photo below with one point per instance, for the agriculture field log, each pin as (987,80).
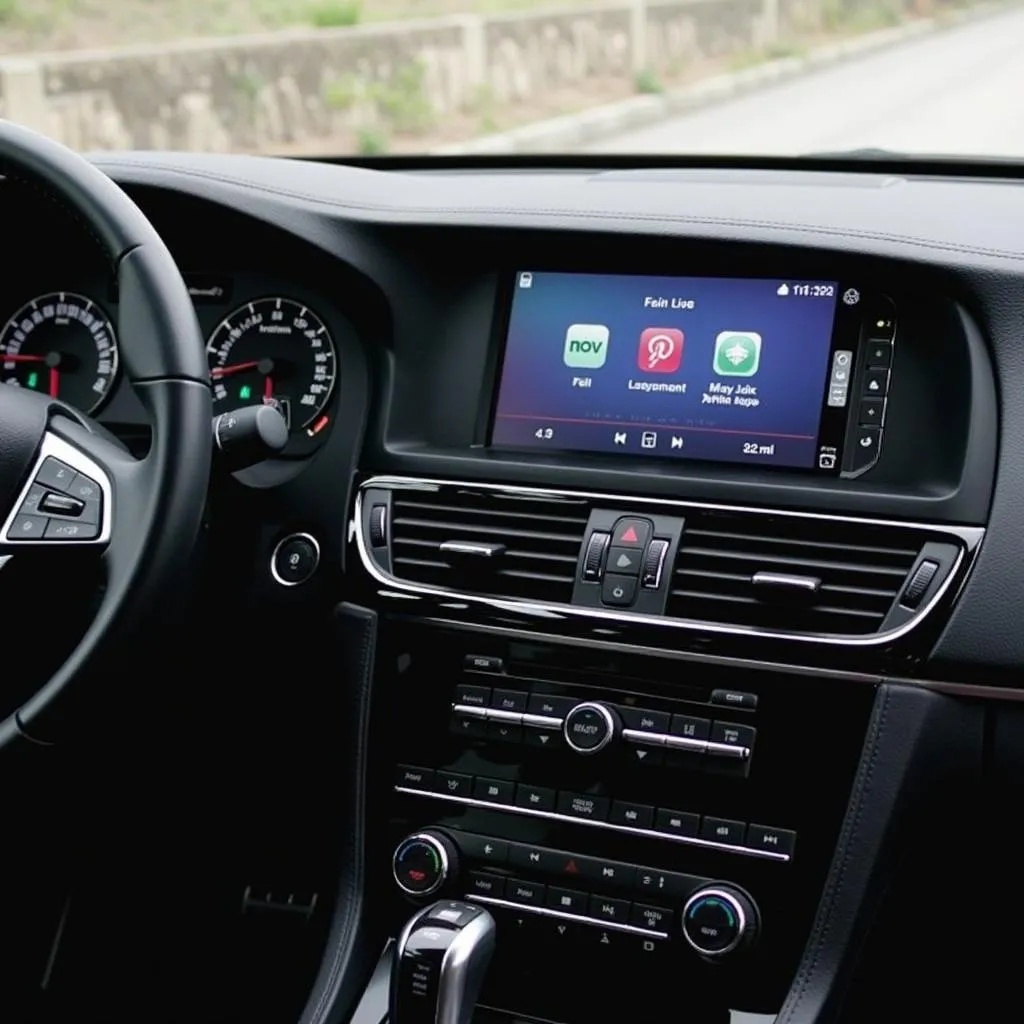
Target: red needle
(223,371)
(7,358)
(268,387)
(54,381)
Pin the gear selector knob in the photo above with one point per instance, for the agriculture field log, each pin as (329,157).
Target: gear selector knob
(440,963)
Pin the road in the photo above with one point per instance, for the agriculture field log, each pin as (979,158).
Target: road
(957,92)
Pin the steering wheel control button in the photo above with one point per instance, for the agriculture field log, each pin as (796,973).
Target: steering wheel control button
(618,591)
(631,533)
(55,474)
(57,504)
(295,559)
(590,727)
(67,530)
(28,528)
(716,920)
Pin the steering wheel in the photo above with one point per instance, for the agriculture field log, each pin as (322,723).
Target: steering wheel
(65,484)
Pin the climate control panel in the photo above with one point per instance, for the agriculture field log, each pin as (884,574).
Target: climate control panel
(714,919)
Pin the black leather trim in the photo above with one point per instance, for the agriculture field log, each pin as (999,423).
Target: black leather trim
(348,960)
(919,744)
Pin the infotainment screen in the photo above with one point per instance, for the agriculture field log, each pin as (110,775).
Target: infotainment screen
(756,370)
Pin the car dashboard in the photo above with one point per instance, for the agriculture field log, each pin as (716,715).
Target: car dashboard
(678,506)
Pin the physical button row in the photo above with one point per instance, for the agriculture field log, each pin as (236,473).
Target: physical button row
(620,816)
(582,907)
(570,869)
(61,504)
(648,728)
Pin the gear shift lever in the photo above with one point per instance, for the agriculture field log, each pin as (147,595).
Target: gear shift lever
(440,962)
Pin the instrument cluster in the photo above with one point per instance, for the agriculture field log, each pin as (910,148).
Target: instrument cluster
(268,348)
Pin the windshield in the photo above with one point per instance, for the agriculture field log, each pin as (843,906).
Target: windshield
(341,77)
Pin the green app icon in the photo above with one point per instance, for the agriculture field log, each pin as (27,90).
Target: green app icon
(737,353)
(586,346)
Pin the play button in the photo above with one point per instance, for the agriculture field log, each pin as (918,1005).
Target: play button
(625,561)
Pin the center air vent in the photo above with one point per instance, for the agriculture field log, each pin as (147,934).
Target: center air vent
(799,575)
(486,542)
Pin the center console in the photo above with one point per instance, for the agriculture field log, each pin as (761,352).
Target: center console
(617,814)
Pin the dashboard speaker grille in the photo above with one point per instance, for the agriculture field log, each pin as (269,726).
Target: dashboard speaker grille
(829,576)
(508,545)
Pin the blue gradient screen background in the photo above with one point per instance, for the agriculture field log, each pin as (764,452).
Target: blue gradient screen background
(536,389)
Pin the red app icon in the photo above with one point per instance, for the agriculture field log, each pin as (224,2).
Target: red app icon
(661,350)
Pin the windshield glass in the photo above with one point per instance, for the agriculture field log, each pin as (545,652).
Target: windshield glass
(345,77)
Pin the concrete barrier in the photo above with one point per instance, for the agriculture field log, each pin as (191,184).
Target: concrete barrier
(303,89)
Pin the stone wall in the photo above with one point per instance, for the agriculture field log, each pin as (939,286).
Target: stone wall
(304,88)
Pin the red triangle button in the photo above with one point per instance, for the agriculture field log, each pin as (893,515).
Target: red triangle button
(629,535)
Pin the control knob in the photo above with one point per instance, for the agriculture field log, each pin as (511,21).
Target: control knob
(718,920)
(424,862)
(589,727)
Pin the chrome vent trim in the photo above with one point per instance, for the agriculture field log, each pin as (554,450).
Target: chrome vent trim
(968,537)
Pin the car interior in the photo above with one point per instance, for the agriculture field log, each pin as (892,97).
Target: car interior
(409,660)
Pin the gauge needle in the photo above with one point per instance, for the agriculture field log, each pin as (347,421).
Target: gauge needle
(6,358)
(54,382)
(268,387)
(225,371)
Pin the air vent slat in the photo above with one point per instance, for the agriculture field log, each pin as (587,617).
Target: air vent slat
(861,568)
(541,539)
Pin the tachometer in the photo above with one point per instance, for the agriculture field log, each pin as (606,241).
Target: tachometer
(277,351)
(61,344)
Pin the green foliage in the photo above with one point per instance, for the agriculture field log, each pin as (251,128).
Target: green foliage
(341,93)
(335,13)
(372,142)
(9,10)
(648,83)
(403,99)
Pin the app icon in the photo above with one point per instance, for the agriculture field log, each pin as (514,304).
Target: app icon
(586,346)
(737,353)
(661,350)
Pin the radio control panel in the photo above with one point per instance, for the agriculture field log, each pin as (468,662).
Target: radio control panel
(649,809)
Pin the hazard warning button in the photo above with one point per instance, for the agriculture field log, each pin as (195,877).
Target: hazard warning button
(632,533)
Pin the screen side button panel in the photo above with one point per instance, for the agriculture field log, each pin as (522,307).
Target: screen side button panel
(626,561)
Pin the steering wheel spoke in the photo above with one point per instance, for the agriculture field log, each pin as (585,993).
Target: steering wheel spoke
(67,502)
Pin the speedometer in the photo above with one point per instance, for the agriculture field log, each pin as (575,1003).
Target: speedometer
(274,351)
(61,344)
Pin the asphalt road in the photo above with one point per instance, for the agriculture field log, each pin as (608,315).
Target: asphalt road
(957,92)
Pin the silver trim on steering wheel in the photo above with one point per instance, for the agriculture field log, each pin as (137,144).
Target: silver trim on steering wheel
(54,447)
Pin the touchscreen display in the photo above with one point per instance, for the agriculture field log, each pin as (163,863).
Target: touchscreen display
(717,369)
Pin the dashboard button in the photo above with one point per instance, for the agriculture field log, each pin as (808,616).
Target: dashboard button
(676,823)
(777,840)
(468,726)
(453,784)
(879,354)
(593,558)
(881,325)
(505,732)
(632,533)
(642,720)
(625,561)
(535,798)
(618,591)
(723,830)
(608,872)
(531,893)
(579,805)
(483,884)
(631,815)
(295,559)
(655,919)
(567,900)
(495,791)
(535,858)
(876,382)
(734,735)
(412,777)
(474,696)
(865,447)
(483,663)
(870,412)
(509,700)
(482,848)
(605,909)
(548,706)
(734,699)
(689,727)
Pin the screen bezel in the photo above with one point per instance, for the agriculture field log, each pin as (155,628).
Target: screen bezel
(834,424)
